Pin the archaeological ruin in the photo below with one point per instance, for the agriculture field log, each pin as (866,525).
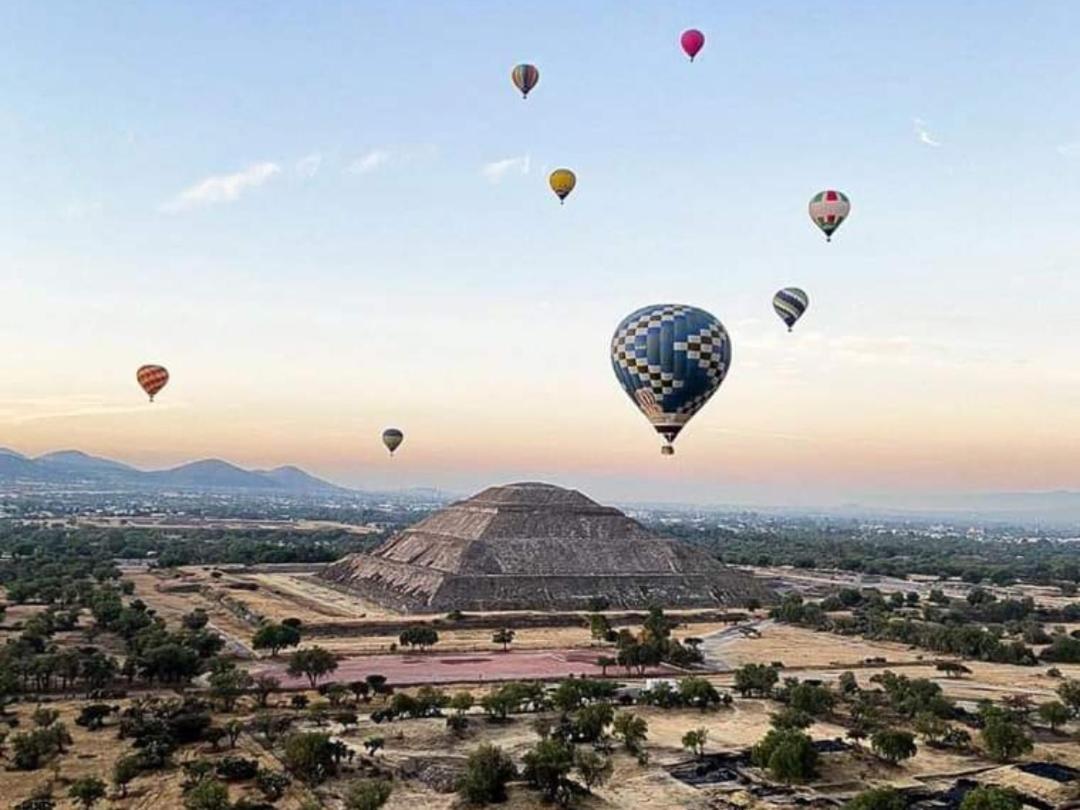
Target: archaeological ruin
(532,546)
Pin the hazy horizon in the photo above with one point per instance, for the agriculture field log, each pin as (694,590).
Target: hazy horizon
(321,236)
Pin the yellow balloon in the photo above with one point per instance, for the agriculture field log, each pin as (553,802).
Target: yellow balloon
(562,183)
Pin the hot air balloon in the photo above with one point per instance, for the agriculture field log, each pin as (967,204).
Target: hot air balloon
(525,78)
(790,303)
(152,379)
(692,42)
(829,209)
(562,183)
(670,359)
(392,438)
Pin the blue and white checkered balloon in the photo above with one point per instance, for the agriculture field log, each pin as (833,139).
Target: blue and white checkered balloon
(670,359)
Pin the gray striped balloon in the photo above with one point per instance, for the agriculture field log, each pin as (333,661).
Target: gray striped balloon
(790,303)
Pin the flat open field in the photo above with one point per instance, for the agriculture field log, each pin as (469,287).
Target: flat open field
(437,667)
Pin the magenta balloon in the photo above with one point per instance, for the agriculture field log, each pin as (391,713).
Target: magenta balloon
(692,41)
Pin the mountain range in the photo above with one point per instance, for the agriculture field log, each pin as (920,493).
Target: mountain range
(73,467)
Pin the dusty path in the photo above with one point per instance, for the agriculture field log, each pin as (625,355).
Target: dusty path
(715,644)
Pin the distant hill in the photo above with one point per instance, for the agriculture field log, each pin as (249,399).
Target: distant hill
(75,468)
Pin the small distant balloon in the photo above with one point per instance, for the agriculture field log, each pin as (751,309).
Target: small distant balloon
(669,359)
(692,42)
(829,209)
(525,78)
(392,438)
(562,183)
(152,379)
(790,303)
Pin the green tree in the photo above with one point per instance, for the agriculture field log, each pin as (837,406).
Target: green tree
(931,727)
(227,684)
(503,636)
(631,729)
(789,718)
(272,784)
(811,698)
(487,771)
(599,627)
(594,768)
(787,755)
(885,798)
(275,637)
(420,636)
(952,669)
(755,679)
(207,794)
(125,770)
(1003,737)
(893,745)
(1069,692)
(87,791)
(313,663)
(694,741)
(1054,713)
(546,767)
(368,794)
(310,757)
(986,797)
(605,661)
(591,721)
(264,685)
(699,693)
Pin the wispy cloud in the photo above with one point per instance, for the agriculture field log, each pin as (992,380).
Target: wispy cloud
(496,171)
(923,134)
(369,162)
(1070,150)
(308,166)
(221,188)
(25,411)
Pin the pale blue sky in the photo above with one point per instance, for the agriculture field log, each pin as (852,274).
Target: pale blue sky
(295,206)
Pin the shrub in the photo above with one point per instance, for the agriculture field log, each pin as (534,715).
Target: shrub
(991,798)
(368,794)
(893,745)
(486,774)
(885,798)
(236,769)
(788,755)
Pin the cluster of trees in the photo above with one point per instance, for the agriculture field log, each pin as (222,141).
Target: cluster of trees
(1001,558)
(954,632)
(196,547)
(649,648)
(84,593)
(571,757)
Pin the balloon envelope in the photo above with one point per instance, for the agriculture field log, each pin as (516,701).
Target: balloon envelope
(790,303)
(152,379)
(669,359)
(525,78)
(562,182)
(829,209)
(392,438)
(692,42)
